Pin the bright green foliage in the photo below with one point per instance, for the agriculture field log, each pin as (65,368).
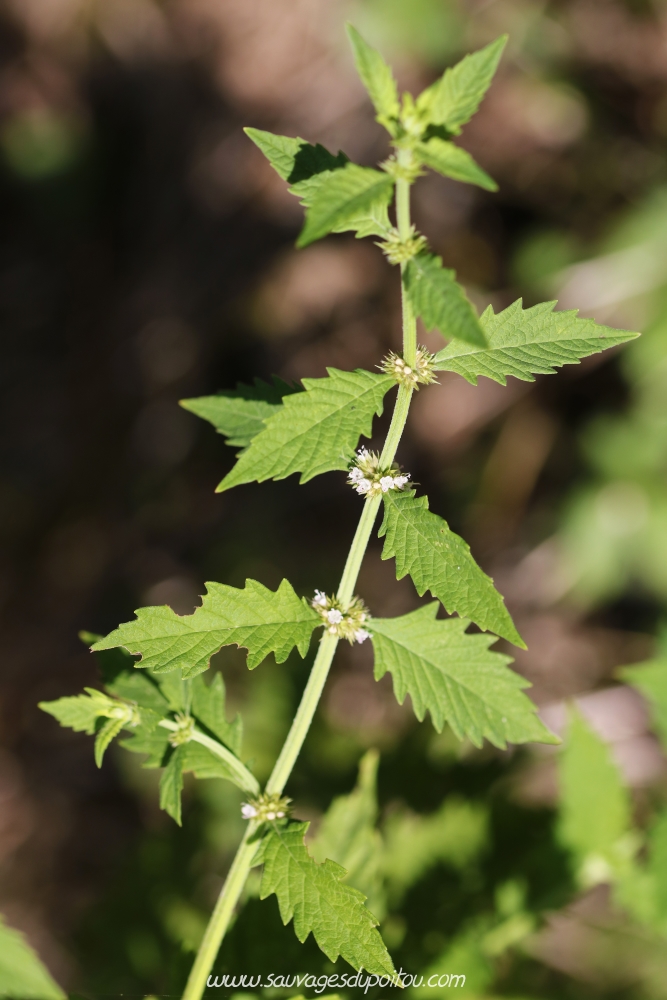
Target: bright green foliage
(318,901)
(253,617)
(440,561)
(347,835)
(208,708)
(463,964)
(437,297)
(341,197)
(378,80)
(651,679)
(657,865)
(528,342)
(82,713)
(295,160)
(595,809)
(22,975)
(187,757)
(171,784)
(455,834)
(454,98)
(455,677)
(239,414)
(454,162)
(314,431)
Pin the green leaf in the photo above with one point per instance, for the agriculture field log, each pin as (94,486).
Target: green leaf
(153,742)
(455,834)
(205,764)
(456,678)
(454,162)
(454,98)
(255,617)
(341,197)
(527,342)
(171,783)
(650,678)
(139,687)
(437,297)
(106,734)
(239,414)
(377,78)
(347,835)
(314,431)
(318,901)
(295,160)
(80,712)
(440,561)
(208,707)
(22,974)
(595,808)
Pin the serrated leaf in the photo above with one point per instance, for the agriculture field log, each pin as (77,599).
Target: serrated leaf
(80,712)
(456,678)
(105,735)
(295,160)
(342,196)
(439,560)
(152,742)
(594,806)
(315,431)
(22,974)
(139,687)
(111,662)
(239,414)
(650,678)
(208,707)
(317,900)
(454,98)
(437,297)
(205,764)
(528,342)
(259,619)
(454,162)
(347,835)
(377,78)
(171,783)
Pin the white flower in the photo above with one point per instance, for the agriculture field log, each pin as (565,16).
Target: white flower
(355,474)
(387,483)
(320,599)
(361,635)
(363,454)
(363,486)
(400,481)
(334,616)
(248,811)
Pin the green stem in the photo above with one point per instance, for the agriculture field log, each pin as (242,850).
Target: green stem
(219,922)
(246,780)
(242,863)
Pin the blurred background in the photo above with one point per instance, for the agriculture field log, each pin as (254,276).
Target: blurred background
(146,255)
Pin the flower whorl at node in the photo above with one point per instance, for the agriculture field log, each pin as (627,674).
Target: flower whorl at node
(411,376)
(266,808)
(186,727)
(345,622)
(398,250)
(370,480)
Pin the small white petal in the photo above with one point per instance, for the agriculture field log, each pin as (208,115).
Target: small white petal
(280,815)
(334,616)
(400,481)
(248,811)
(320,599)
(361,635)
(271,815)
(387,483)
(355,475)
(363,486)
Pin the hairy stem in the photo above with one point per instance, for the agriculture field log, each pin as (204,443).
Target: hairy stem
(219,922)
(242,863)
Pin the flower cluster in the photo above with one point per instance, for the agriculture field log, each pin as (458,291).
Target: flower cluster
(398,250)
(186,727)
(266,807)
(370,480)
(345,622)
(411,376)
